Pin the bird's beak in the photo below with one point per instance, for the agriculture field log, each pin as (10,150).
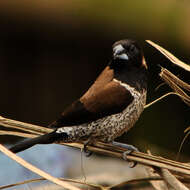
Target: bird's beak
(123,56)
(117,50)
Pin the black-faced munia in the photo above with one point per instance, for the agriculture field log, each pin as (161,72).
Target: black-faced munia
(109,108)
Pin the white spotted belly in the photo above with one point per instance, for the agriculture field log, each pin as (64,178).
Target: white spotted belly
(108,128)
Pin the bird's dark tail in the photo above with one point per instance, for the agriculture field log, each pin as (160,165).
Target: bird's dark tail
(44,139)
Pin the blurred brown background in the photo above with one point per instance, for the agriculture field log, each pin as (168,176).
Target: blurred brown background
(51,51)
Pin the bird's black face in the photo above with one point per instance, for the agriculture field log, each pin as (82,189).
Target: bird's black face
(128,64)
(127,53)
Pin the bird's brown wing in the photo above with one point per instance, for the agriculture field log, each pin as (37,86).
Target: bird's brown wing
(105,97)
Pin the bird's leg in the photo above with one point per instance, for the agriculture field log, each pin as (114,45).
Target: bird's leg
(87,152)
(130,148)
(127,146)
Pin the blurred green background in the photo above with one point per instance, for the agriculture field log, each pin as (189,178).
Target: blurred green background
(51,52)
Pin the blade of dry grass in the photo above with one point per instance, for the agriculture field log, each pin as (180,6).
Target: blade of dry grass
(19,134)
(36,170)
(182,143)
(151,171)
(134,181)
(43,179)
(5,122)
(21,183)
(175,79)
(160,98)
(108,149)
(172,180)
(158,185)
(170,56)
(123,185)
(140,157)
(175,83)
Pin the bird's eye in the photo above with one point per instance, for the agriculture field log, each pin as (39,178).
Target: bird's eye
(132,48)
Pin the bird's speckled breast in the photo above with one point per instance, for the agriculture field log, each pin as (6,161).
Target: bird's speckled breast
(108,128)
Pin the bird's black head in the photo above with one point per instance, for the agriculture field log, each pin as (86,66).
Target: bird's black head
(128,64)
(127,53)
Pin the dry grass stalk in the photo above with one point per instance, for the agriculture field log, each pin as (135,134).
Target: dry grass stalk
(34,129)
(173,81)
(170,56)
(108,149)
(154,178)
(134,181)
(158,185)
(160,98)
(176,84)
(43,179)
(117,186)
(151,171)
(36,170)
(19,134)
(171,180)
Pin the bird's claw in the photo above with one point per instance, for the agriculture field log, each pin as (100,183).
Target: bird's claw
(87,152)
(130,148)
(125,154)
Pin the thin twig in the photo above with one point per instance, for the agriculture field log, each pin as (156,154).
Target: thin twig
(132,181)
(172,180)
(175,79)
(162,97)
(170,56)
(19,134)
(36,170)
(176,84)
(181,145)
(108,149)
(158,185)
(151,171)
(5,122)
(43,179)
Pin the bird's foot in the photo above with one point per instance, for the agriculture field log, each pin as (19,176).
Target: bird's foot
(125,154)
(127,146)
(130,148)
(87,152)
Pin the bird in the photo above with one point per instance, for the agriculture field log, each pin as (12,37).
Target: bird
(109,108)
